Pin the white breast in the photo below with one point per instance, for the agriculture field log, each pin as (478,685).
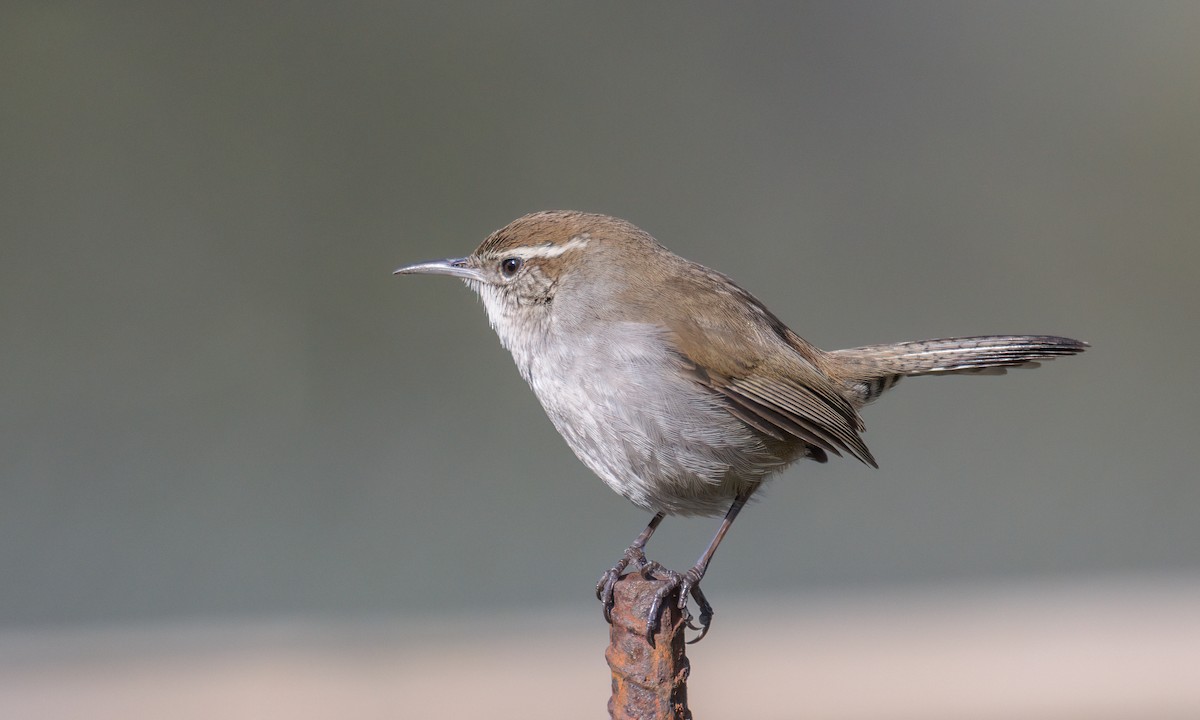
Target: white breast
(630,414)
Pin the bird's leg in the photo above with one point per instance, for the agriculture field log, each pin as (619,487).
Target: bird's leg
(688,583)
(635,554)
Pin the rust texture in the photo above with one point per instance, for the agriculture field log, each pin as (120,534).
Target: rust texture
(649,682)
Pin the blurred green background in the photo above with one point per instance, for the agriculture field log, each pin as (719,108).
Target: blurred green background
(216,401)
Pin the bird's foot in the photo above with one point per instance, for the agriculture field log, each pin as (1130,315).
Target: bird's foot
(688,585)
(635,556)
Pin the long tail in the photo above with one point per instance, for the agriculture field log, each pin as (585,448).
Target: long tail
(869,371)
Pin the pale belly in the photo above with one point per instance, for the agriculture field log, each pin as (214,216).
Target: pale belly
(651,433)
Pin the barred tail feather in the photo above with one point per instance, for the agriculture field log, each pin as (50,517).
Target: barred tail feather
(871,370)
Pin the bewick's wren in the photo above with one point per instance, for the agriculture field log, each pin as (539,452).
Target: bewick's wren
(674,385)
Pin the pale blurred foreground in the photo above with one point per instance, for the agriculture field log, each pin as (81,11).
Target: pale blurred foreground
(1097,650)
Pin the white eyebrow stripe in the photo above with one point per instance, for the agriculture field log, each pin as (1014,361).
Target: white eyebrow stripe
(552,251)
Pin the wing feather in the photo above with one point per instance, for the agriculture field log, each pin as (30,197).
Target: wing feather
(783,409)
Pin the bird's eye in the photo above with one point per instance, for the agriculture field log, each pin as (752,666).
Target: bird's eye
(510,266)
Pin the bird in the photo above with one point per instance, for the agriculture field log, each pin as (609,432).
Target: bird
(678,388)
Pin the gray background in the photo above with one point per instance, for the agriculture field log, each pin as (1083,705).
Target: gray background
(216,401)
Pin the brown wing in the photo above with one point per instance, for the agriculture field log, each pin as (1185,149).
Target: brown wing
(772,381)
(784,408)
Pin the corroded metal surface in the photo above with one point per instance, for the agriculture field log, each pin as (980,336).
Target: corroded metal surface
(649,682)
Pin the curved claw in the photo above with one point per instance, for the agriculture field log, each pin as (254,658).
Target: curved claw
(654,616)
(688,585)
(706,613)
(604,588)
(604,592)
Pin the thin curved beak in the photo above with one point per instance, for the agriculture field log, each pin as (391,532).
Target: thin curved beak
(455,267)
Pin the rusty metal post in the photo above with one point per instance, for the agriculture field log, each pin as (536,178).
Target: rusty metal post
(649,682)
